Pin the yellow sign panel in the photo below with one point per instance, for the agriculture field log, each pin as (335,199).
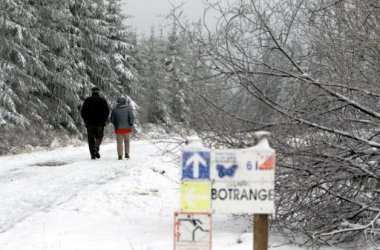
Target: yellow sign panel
(195,196)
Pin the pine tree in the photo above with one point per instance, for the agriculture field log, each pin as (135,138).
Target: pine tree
(153,80)
(20,66)
(52,53)
(175,78)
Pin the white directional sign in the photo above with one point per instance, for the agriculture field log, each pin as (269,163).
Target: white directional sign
(243,180)
(192,231)
(249,197)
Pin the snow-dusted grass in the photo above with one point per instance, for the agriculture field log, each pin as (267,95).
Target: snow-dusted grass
(62,200)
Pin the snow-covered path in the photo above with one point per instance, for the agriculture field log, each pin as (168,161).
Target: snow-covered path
(62,200)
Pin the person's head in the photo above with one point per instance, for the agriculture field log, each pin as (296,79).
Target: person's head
(122,100)
(95,91)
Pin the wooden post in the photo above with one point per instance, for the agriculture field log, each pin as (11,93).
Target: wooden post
(260,232)
(260,221)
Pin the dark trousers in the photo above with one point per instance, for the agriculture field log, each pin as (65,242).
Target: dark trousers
(95,136)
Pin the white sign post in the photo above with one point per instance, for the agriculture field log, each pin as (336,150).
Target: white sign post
(192,227)
(243,180)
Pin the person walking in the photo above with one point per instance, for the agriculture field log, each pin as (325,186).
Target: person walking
(122,118)
(95,112)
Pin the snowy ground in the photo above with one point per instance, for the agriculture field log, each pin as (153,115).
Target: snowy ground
(62,200)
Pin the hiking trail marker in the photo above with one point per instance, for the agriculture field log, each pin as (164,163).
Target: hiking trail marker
(196,164)
(192,231)
(195,196)
(192,227)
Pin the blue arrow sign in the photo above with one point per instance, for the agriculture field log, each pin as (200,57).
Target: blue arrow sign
(195,165)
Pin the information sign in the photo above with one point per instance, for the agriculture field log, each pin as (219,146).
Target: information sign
(196,165)
(195,196)
(192,231)
(243,180)
(244,197)
(242,165)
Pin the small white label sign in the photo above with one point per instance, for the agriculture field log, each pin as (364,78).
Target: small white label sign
(243,165)
(244,197)
(192,231)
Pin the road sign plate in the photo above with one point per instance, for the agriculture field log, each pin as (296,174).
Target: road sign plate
(243,180)
(195,196)
(192,231)
(243,197)
(243,165)
(196,165)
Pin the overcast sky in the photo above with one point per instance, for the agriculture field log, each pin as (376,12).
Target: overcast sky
(148,13)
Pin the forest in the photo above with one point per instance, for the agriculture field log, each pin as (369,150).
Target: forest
(307,71)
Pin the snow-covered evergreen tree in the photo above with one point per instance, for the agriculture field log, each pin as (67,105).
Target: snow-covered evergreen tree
(52,52)
(22,70)
(152,77)
(175,77)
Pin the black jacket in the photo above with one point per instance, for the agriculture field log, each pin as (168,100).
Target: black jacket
(95,110)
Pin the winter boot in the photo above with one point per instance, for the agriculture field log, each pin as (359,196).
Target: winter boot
(126,155)
(120,157)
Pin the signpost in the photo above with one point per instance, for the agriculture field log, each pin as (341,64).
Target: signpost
(261,227)
(192,227)
(235,180)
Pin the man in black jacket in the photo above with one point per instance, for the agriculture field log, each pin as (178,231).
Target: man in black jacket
(95,113)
